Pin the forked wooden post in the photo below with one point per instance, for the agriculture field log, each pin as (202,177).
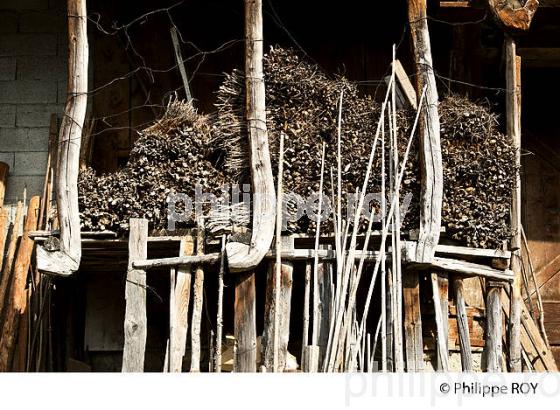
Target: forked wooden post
(245,328)
(493,345)
(135,320)
(66,260)
(430,148)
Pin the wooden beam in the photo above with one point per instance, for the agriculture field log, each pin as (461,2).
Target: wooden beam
(513,121)
(66,260)
(135,319)
(198,300)
(442,323)
(406,86)
(414,348)
(463,326)
(245,328)
(242,257)
(493,344)
(17,296)
(510,16)
(430,148)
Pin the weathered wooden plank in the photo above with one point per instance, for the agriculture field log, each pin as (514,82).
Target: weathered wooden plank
(430,148)
(198,300)
(493,346)
(406,86)
(245,328)
(16,300)
(4,170)
(66,260)
(412,323)
(178,338)
(463,326)
(442,333)
(4,228)
(242,257)
(135,319)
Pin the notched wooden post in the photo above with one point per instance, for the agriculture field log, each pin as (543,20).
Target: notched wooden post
(135,320)
(66,259)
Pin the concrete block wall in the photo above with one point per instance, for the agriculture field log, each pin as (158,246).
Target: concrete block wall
(33,57)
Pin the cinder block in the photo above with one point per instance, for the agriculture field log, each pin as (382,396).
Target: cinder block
(7,68)
(9,21)
(24,139)
(17,184)
(43,44)
(25,4)
(7,115)
(42,22)
(8,158)
(29,163)
(27,91)
(36,115)
(41,68)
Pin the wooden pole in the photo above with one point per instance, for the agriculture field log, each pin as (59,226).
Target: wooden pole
(493,344)
(180,63)
(135,319)
(463,326)
(513,117)
(220,309)
(306,298)
(198,300)
(245,329)
(413,322)
(441,325)
(4,228)
(67,260)
(430,148)
(17,299)
(6,278)
(242,257)
(4,171)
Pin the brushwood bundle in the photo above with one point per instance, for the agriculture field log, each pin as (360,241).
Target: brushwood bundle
(185,148)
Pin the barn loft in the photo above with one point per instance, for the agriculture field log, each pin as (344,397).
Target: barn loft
(421,146)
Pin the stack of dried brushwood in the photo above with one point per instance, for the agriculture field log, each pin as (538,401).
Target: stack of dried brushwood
(303,102)
(169,157)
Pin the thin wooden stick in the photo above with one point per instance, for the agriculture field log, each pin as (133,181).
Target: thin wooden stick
(180,62)
(172,317)
(220,309)
(306,297)
(278,271)
(383,271)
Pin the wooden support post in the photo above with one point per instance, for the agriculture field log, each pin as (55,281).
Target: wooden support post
(4,170)
(6,277)
(67,260)
(135,320)
(4,228)
(513,116)
(325,278)
(463,326)
(306,302)
(242,257)
(430,149)
(286,278)
(413,322)
(245,328)
(178,338)
(16,302)
(310,359)
(198,300)
(493,343)
(220,309)
(442,333)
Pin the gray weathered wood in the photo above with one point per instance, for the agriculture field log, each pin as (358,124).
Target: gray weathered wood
(198,300)
(463,327)
(441,325)
(430,148)
(414,348)
(513,120)
(310,359)
(66,260)
(135,319)
(180,62)
(242,257)
(245,328)
(493,343)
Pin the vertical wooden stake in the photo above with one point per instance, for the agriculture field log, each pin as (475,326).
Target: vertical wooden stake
(135,319)
(513,109)
(493,345)
(463,326)
(441,325)
(306,298)
(4,170)
(413,323)
(198,295)
(6,277)
(245,328)
(220,309)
